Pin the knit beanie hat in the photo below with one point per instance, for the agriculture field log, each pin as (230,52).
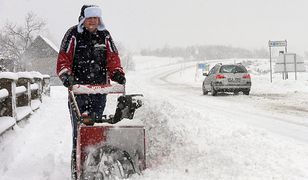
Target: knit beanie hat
(88,11)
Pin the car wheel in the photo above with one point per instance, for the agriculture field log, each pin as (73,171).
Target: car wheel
(205,92)
(246,92)
(213,91)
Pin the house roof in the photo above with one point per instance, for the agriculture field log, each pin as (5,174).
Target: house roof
(41,47)
(50,43)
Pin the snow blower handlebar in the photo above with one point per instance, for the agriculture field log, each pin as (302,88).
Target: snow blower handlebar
(126,106)
(98,89)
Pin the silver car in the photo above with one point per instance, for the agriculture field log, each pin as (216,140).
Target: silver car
(227,78)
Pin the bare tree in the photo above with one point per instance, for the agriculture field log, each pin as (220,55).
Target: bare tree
(15,39)
(126,57)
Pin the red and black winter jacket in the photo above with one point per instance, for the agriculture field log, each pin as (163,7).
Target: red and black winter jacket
(91,58)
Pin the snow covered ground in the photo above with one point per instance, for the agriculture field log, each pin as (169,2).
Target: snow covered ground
(188,135)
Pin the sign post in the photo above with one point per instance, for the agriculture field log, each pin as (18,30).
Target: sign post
(203,67)
(270,50)
(288,62)
(275,44)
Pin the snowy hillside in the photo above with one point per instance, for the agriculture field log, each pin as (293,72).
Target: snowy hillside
(188,135)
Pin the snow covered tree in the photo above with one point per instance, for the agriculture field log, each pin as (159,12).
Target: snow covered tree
(15,39)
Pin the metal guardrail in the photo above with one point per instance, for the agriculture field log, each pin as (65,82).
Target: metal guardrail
(20,90)
(20,94)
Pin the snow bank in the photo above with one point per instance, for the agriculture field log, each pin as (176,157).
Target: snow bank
(186,139)
(40,147)
(23,112)
(183,142)
(6,123)
(35,104)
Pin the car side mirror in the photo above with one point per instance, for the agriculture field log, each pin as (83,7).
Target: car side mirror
(205,74)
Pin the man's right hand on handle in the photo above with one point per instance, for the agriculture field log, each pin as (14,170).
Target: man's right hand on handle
(67,80)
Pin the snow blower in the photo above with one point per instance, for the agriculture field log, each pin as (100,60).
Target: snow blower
(106,150)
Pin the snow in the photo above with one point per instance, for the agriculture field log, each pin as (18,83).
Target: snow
(46,76)
(36,74)
(8,75)
(3,93)
(84,89)
(188,135)
(6,123)
(34,86)
(261,136)
(23,112)
(21,90)
(50,43)
(35,104)
(27,75)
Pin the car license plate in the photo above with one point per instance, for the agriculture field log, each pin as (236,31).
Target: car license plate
(236,80)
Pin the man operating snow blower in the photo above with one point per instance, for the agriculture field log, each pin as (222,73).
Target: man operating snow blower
(88,56)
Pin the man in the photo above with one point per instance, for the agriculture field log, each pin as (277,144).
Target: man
(88,56)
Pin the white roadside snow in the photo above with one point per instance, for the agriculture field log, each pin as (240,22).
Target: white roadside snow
(225,137)
(188,135)
(6,123)
(39,148)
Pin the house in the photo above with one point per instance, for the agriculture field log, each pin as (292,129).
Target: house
(41,56)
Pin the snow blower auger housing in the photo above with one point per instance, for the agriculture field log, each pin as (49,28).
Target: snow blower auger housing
(106,150)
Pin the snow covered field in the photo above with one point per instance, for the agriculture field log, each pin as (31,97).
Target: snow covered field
(188,135)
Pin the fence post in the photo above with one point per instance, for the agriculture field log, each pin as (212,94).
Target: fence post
(46,84)
(37,78)
(24,99)
(10,85)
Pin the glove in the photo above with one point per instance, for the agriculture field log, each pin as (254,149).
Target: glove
(119,77)
(66,79)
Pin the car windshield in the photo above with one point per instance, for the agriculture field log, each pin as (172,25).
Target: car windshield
(232,69)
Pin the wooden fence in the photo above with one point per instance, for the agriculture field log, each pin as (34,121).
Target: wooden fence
(20,95)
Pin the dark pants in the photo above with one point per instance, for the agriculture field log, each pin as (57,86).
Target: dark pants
(94,105)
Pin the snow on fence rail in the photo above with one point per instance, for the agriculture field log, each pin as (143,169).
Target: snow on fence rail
(20,94)
(3,94)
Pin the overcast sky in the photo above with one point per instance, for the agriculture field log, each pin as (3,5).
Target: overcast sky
(156,23)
